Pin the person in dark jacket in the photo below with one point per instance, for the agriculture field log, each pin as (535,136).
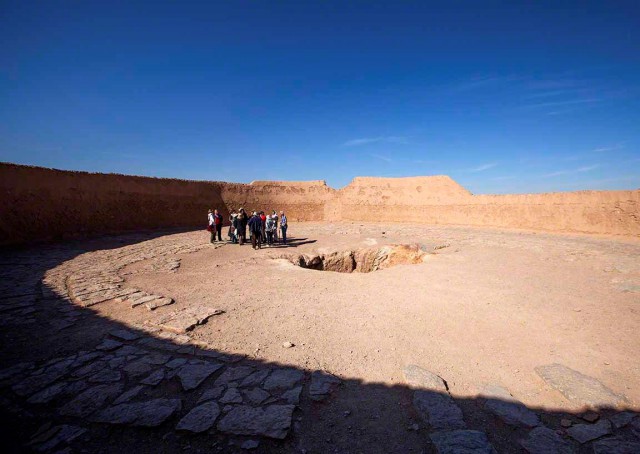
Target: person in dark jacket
(217,217)
(255,227)
(242,226)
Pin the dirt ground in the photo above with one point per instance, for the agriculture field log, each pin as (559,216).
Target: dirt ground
(486,307)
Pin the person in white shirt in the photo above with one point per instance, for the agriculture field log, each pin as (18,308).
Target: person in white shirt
(211,227)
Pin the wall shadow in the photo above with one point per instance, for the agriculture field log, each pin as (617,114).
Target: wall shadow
(61,383)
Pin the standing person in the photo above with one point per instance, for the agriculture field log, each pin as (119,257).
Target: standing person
(242,226)
(233,225)
(255,228)
(211,225)
(270,228)
(283,227)
(274,216)
(218,219)
(263,218)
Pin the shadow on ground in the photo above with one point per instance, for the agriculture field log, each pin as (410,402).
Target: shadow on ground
(72,381)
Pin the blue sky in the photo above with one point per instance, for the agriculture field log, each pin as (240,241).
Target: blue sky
(505,97)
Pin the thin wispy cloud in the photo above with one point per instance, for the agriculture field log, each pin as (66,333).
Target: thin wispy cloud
(571,171)
(611,148)
(382,158)
(370,140)
(483,167)
(563,103)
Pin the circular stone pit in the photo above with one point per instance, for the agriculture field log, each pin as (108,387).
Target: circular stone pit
(363,260)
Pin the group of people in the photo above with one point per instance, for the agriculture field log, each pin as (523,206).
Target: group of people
(263,228)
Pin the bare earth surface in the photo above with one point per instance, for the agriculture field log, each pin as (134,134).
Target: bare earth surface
(163,342)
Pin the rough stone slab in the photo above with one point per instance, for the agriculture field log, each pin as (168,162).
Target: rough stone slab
(232,396)
(128,395)
(143,300)
(48,394)
(462,442)
(420,378)
(109,344)
(292,396)
(151,413)
(85,358)
(129,350)
(186,320)
(63,434)
(201,418)
(255,379)
(156,358)
(283,379)
(211,394)
(191,375)
(321,385)
(256,396)
(124,334)
(587,432)
(232,374)
(616,446)
(106,375)
(91,400)
(175,363)
(542,440)
(37,382)
(153,378)
(89,369)
(621,419)
(160,302)
(579,388)
(15,370)
(502,404)
(438,410)
(272,422)
(137,368)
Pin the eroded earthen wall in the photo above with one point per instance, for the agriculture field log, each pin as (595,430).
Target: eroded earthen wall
(45,204)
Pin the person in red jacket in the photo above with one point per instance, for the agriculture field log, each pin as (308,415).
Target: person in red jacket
(263,218)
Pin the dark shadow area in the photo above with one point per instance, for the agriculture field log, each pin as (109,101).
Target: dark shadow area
(73,381)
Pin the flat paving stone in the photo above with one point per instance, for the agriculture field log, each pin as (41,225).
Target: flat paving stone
(109,345)
(420,378)
(211,394)
(502,404)
(38,381)
(588,432)
(91,400)
(232,396)
(48,394)
(187,319)
(579,388)
(234,373)
(622,419)
(283,379)
(201,418)
(273,421)
(438,410)
(462,442)
(106,375)
(63,435)
(191,376)
(256,396)
(176,362)
(154,378)
(160,302)
(146,414)
(321,385)
(137,368)
(543,440)
(292,396)
(124,334)
(255,379)
(128,395)
(616,446)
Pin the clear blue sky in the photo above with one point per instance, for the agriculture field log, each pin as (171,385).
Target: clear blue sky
(502,96)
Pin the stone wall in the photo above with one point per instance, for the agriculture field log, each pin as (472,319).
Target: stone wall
(46,204)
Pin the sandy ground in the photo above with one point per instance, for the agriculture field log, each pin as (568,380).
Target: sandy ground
(486,307)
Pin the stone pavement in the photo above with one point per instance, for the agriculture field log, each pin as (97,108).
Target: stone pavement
(156,376)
